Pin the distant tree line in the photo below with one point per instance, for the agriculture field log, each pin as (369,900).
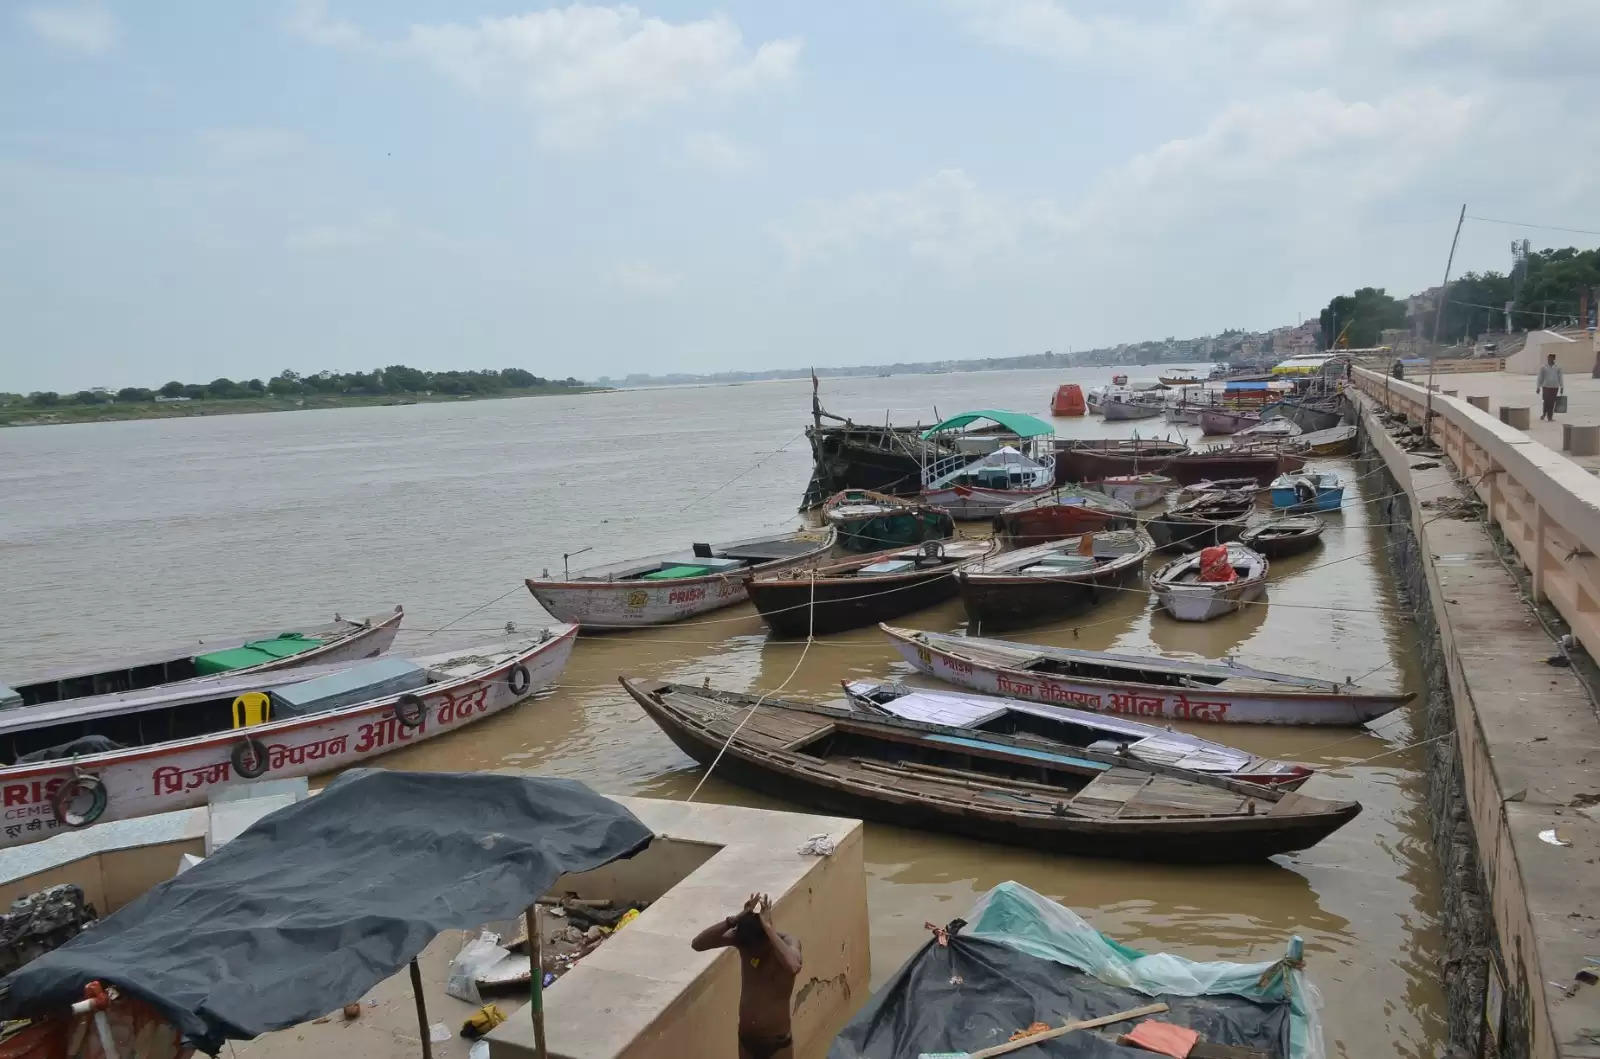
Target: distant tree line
(1544,289)
(395,379)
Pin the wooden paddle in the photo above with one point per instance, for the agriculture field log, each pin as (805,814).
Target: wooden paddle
(1048,1035)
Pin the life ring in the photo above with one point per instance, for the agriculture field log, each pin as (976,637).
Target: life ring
(519,680)
(249,758)
(64,802)
(410,711)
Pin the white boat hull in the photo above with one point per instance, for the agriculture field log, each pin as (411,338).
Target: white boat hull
(143,780)
(635,604)
(1197,602)
(1114,410)
(1145,701)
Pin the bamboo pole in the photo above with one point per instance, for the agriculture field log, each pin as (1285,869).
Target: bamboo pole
(536,965)
(422,1010)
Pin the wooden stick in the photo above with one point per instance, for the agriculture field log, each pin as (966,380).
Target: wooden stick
(1061,1031)
(422,1010)
(536,964)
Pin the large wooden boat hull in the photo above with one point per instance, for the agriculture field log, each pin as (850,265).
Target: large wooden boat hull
(1054,522)
(1141,700)
(1079,461)
(995,603)
(1091,464)
(972,503)
(795,606)
(636,604)
(897,524)
(1283,537)
(1170,838)
(1307,417)
(162,777)
(883,459)
(1188,533)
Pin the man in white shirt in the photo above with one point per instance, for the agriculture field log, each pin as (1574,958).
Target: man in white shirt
(1549,384)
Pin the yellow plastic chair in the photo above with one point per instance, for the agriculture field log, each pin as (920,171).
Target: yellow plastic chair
(253,707)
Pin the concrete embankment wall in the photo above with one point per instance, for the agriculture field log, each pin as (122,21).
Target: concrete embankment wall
(1513,738)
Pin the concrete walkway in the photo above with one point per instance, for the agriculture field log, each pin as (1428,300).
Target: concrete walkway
(1506,389)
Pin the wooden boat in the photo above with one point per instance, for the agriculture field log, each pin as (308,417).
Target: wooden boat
(1184,412)
(1181,380)
(848,455)
(1335,441)
(1063,726)
(1283,536)
(1308,490)
(995,788)
(1181,593)
(1090,461)
(1147,686)
(674,585)
(830,598)
(340,640)
(1211,486)
(1135,490)
(1222,421)
(1121,407)
(1093,461)
(1051,580)
(869,522)
(1213,518)
(1068,401)
(1268,430)
(173,747)
(1058,514)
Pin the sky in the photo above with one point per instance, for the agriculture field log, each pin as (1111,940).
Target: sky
(192,189)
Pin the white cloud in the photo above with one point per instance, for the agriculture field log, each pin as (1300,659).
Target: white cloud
(716,153)
(945,219)
(641,277)
(363,231)
(251,146)
(581,69)
(88,28)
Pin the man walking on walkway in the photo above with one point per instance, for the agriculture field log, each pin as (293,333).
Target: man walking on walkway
(1549,384)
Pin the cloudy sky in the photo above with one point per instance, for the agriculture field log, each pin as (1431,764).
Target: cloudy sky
(193,189)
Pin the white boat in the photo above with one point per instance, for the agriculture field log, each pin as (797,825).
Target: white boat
(1063,725)
(289,646)
(674,585)
(1122,407)
(1179,590)
(1020,463)
(342,715)
(1144,685)
(1135,490)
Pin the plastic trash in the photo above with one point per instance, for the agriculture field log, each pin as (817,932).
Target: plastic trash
(475,957)
(816,846)
(479,1050)
(438,1033)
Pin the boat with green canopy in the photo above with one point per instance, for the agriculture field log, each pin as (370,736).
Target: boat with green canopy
(1007,457)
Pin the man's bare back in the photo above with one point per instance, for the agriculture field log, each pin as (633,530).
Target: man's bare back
(768,963)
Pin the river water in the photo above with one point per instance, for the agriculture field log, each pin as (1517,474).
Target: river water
(118,537)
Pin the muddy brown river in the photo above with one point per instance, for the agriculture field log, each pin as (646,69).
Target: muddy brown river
(117,537)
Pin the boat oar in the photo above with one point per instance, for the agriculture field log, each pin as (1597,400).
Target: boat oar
(1050,1035)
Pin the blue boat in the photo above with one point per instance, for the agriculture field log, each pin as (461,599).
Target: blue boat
(1308,490)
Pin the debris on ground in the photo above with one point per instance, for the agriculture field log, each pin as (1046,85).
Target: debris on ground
(41,921)
(1425,466)
(1033,1030)
(570,927)
(816,846)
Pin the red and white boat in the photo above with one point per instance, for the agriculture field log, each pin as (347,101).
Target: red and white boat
(1061,725)
(315,643)
(1146,686)
(340,716)
(675,585)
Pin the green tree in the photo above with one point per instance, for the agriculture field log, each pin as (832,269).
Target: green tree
(195,392)
(90,397)
(1550,292)
(44,398)
(519,379)
(134,394)
(1356,320)
(172,389)
(256,387)
(397,378)
(222,388)
(284,383)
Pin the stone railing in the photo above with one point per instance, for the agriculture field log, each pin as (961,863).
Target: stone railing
(1547,506)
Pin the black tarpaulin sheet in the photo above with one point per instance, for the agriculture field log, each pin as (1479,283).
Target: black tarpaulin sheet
(318,902)
(976,993)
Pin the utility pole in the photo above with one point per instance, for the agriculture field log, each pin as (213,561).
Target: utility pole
(1444,294)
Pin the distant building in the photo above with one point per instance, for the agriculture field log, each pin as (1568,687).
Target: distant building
(165,400)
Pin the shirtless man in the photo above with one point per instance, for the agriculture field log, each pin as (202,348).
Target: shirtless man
(768,964)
